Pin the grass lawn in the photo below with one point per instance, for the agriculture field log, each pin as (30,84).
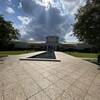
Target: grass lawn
(83,55)
(6,53)
(91,57)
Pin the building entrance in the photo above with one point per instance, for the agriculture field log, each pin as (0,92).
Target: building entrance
(52,42)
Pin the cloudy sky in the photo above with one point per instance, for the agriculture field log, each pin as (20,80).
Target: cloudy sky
(37,19)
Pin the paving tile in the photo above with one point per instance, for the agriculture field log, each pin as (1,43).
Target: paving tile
(90,97)
(84,87)
(94,90)
(97,80)
(88,77)
(1,90)
(1,83)
(52,71)
(1,97)
(65,96)
(59,75)
(40,96)
(62,84)
(42,70)
(14,93)
(53,91)
(65,72)
(57,68)
(53,78)
(44,83)
(46,74)
(8,80)
(75,75)
(75,93)
(37,76)
(69,79)
(30,87)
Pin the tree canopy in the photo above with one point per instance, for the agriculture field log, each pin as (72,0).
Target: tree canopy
(7,32)
(87,25)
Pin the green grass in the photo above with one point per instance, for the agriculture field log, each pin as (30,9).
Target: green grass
(6,53)
(83,55)
(91,57)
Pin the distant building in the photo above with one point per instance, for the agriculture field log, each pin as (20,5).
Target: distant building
(52,43)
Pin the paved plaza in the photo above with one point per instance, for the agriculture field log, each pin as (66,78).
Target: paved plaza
(69,79)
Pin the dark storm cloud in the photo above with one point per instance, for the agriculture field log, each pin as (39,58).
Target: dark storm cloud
(45,22)
(28,6)
(37,19)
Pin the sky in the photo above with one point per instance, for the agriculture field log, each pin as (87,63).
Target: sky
(36,19)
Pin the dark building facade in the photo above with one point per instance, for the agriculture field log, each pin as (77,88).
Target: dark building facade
(52,42)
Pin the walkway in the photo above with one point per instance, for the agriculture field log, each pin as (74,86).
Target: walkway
(70,79)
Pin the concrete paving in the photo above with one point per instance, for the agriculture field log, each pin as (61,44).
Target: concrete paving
(70,79)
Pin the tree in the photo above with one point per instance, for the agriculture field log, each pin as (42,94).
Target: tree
(7,33)
(87,25)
